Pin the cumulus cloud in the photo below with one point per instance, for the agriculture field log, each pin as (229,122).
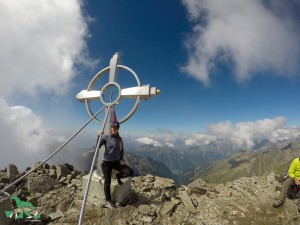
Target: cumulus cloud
(24,138)
(148,141)
(255,36)
(41,41)
(190,141)
(41,44)
(244,134)
(200,139)
(170,145)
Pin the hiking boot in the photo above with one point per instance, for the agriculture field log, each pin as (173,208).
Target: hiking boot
(109,204)
(277,203)
(119,179)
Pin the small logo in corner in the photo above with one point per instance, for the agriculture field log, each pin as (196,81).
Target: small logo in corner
(24,210)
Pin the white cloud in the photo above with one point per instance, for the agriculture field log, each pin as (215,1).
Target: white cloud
(148,141)
(244,134)
(204,138)
(190,142)
(257,36)
(170,145)
(284,134)
(24,138)
(40,43)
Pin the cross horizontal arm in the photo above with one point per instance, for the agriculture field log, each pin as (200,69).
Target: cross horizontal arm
(145,92)
(85,94)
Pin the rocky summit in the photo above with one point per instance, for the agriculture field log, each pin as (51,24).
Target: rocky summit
(57,195)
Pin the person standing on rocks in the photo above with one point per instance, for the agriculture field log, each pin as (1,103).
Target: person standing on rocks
(113,158)
(293,178)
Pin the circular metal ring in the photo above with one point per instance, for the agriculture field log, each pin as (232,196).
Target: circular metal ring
(105,88)
(99,75)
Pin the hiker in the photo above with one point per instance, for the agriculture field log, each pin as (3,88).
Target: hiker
(113,158)
(293,178)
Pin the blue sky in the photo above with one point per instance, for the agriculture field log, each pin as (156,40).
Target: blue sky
(151,40)
(218,64)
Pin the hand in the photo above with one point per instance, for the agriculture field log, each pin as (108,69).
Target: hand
(122,162)
(297,182)
(101,132)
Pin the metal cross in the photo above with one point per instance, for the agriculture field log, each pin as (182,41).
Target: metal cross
(139,92)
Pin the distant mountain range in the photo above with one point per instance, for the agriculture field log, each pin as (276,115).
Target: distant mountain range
(219,161)
(245,164)
(143,166)
(174,160)
(140,165)
(184,159)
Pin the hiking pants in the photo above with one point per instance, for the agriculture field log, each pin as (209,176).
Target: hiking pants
(285,187)
(124,171)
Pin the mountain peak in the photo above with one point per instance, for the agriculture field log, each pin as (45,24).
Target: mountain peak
(156,200)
